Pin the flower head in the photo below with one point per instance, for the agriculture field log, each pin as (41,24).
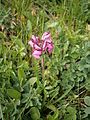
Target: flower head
(41,46)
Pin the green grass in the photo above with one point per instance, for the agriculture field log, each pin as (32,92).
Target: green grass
(62,90)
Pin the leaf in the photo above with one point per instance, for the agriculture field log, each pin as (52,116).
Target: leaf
(66,92)
(70,113)
(87,100)
(75,55)
(53,93)
(55,115)
(87,86)
(33,80)
(51,107)
(29,26)
(21,74)
(82,64)
(35,114)
(87,111)
(52,24)
(24,64)
(49,117)
(88,59)
(2,35)
(1,113)
(13,93)
(66,45)
(48,87)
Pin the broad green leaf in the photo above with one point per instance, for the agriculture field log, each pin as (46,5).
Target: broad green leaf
(29,26)
(49,117)
(87,111)
(33,80)
(83,61)
(35,114)
(51,107)
(87,86)
(21,74)
(87,100)
(13,93)
(70,114)
(82,64)
(55,115)
(75,55)
(88,59)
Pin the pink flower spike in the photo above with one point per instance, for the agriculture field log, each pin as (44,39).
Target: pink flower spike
(40,46)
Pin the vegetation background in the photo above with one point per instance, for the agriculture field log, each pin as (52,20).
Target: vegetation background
(62,90)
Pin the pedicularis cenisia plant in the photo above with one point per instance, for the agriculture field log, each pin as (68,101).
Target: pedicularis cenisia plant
(41,46)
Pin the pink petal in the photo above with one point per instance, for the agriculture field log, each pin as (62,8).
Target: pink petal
(37,54)
(46,35)
(34,42)
(49,40)
(50,47)
(31,43)
(38,39)
(36,47)
(44,46)
(34,38)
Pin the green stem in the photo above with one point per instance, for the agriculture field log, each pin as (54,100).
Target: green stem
(42,65)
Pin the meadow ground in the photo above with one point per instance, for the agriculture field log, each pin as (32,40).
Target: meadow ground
(56,86)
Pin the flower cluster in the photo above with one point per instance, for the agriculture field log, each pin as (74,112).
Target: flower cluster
(41,46)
